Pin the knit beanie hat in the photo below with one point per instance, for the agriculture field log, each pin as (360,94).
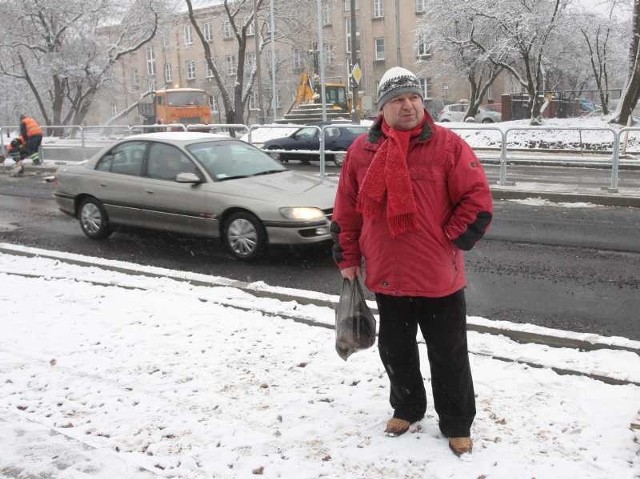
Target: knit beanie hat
(395,82)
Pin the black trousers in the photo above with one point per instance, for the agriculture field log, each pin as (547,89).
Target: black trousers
(33,144)
(443,324)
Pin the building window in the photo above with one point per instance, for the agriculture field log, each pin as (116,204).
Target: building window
(348,28)
(426,86)
(209,72)
(207,31)
(298,60)
(329,56)
(226,29)
(347,5)
(231,64)
(253,101)
(151,84)
(151,61)
(188,38)
(250,62)
(379,49)
(378,8)
(421,6)
(325,11)
(423,46)
(191,70)
(168,73)
(251,28)
(166,41)
(135,78)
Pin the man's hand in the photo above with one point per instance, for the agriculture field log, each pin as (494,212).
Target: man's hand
(351,272)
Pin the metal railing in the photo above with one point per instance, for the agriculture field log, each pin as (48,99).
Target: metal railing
(68,143)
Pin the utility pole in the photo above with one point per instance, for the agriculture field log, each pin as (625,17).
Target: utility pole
(272,27)
(355,119)
(260,117)
(323,93)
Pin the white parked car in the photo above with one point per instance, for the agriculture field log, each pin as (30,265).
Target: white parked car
(456,111)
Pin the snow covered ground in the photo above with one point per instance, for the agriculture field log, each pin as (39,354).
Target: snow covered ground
(123,375)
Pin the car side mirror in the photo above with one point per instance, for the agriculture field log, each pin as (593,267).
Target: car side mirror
(188,178)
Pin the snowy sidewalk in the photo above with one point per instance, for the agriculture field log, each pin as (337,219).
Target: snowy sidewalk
(116,375)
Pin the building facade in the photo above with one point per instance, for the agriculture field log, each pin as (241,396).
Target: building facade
(388,33)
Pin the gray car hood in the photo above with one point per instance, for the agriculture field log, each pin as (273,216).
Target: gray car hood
(286,188)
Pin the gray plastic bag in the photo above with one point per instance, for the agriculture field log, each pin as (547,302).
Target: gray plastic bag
(355,324)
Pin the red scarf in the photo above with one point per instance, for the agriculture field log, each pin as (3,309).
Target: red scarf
(387,178)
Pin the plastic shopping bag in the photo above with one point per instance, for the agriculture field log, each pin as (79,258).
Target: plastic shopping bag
(355,324)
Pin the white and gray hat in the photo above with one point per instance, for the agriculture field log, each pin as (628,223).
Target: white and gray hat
(397,81)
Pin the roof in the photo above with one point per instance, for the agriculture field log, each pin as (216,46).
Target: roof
(179,136)
(181,6)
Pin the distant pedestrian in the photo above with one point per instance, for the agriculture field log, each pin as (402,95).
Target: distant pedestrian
(31,131)
(411,197)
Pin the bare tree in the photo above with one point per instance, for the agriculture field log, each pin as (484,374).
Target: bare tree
(602,35)
(63,52)
(457,34)
(240,15)
(518,36)
(631,91)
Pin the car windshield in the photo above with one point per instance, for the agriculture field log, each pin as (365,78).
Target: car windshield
(226,160)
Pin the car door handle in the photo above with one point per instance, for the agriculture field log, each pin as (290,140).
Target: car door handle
(150,191)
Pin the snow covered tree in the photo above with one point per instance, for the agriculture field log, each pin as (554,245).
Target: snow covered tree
(631,91)
(602,33)
(239,17)
(62,52)
(519,36)
(467,41)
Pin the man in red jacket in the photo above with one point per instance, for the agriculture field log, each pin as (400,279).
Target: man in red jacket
(412,197)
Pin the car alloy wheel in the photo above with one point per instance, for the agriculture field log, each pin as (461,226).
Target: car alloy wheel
(93,219)
(244,236)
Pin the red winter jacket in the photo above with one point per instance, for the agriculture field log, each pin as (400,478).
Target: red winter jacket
(454,211)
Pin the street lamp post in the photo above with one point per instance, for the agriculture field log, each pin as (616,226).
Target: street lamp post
(323,94)
(355,119)
(260,118)
(272,27)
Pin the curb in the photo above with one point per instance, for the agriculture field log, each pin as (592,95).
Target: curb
(588,342)
(499,193)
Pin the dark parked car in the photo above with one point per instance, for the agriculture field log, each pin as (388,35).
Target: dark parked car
(200,184)
(307,139)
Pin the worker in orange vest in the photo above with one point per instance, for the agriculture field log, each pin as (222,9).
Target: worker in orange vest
(32,134)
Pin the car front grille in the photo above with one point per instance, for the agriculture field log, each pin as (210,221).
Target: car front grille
(328,213)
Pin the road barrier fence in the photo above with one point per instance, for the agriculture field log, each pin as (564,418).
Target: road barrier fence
(574,146)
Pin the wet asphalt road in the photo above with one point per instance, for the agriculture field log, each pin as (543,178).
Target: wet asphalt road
(568,268)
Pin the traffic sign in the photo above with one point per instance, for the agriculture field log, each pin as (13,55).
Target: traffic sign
(356,73)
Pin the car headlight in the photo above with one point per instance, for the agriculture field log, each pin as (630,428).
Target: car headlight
(302,213)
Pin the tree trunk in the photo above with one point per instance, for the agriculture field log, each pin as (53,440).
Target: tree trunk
(631,93)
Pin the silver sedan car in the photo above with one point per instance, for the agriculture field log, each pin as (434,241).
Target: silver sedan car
(200,184)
